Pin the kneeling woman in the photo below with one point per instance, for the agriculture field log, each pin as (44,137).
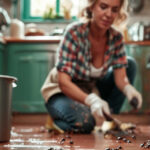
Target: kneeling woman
(92,73)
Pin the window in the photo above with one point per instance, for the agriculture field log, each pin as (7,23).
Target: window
(54,10)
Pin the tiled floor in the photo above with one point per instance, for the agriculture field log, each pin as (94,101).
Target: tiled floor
(28,133)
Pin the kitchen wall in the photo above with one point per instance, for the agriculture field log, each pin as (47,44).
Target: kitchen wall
(6,4)
(143,15)
(15,13)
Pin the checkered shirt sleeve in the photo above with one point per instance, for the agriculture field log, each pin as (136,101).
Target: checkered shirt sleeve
(119,57)
(67,54)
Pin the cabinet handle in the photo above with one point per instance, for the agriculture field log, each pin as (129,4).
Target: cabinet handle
(26,59)
(148,63)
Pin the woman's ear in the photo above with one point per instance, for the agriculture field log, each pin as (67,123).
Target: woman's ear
(91,9)
(89,12)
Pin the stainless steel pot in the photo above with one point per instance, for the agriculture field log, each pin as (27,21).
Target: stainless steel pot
(6,85)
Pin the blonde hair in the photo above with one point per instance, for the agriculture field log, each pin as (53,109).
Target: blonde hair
(87,13)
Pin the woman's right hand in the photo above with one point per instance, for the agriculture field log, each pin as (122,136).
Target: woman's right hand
(97,105)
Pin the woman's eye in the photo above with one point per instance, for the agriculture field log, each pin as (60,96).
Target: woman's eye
(102,6)
(115,10)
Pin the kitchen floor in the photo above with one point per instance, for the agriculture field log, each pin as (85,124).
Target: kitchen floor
(28,133)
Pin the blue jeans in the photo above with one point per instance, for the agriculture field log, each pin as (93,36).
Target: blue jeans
(71,115)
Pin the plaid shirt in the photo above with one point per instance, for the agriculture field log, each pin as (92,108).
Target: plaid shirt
(74,52)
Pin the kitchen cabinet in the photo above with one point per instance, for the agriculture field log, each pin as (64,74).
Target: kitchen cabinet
(30,62)
(1,57)
(141,53)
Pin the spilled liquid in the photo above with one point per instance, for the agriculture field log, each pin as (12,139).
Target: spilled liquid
(37,137)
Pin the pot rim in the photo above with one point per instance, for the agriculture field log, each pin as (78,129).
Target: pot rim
(8,77)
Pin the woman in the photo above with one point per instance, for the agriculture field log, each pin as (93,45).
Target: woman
(92,71)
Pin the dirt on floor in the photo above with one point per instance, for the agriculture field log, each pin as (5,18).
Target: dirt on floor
(28,133)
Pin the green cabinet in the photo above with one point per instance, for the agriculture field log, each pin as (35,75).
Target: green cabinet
(141,53)
(1,57)
(30,63)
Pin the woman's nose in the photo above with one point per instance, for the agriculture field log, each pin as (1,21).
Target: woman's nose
(109,12)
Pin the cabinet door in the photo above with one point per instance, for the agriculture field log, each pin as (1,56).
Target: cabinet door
(142,80)
(30,64)
(144,64)
(1,58)
(135,52)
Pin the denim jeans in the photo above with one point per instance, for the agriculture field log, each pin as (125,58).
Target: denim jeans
(71,115)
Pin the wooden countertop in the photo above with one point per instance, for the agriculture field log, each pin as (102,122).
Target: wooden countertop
(56,39)
(141,43)
(2,40)
(28,39)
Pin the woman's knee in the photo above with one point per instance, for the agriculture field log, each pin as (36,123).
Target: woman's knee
(82,120)
(70,115)
(59,106)
(77,126)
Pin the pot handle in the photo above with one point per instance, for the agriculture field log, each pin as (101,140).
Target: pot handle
(14,85)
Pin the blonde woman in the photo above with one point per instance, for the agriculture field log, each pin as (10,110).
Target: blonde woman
(92,73)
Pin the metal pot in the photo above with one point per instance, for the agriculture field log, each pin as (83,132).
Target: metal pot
(6,85)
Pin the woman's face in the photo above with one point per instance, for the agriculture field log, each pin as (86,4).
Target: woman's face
(104,12)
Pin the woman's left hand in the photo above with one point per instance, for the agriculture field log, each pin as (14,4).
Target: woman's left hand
(131,93)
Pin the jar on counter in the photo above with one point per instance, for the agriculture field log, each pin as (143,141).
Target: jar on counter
(17,28)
